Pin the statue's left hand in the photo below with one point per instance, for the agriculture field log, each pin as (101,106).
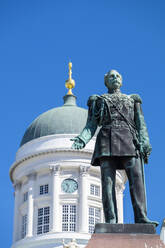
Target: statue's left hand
(78,143)
(145,151)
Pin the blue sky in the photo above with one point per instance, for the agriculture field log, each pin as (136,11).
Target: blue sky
(37,40)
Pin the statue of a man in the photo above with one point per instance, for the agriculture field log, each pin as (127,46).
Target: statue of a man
(122,143)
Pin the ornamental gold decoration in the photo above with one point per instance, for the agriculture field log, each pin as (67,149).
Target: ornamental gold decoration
(70,83)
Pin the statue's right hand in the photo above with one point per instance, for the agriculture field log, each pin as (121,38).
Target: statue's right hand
(78,143)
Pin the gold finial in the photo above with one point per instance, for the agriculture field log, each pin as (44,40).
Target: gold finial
(70,83)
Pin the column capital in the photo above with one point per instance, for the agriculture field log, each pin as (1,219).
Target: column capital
(55,169)
(84,170)
(31,176)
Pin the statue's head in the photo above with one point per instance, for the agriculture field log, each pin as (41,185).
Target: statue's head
(113,80)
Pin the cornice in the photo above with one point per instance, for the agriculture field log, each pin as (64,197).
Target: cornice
(69,196)
(94,198)
(48,238)
(50,151)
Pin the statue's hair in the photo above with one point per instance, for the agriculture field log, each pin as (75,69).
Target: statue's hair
(107,75)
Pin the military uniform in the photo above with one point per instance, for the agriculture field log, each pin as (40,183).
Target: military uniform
(117,137)
(122,136)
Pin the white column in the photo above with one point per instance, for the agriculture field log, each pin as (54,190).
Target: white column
(119,198)
(17,187)
(162,232)
(83,203)
(30,211)
(55,208)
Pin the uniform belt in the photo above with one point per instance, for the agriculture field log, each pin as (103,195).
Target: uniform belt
(116,123)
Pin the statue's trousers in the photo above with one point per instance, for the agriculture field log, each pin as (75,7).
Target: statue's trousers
(132,166)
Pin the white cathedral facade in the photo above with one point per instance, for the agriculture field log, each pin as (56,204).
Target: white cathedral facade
(57,191)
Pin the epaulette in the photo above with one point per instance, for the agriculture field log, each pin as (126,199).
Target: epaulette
(136,98)
(104,95)
(91,99)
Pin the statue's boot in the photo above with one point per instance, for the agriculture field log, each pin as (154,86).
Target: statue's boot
(145,220)
(110,221)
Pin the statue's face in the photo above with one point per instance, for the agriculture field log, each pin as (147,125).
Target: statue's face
(113,80)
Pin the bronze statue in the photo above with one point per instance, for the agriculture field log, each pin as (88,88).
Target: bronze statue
(122,143)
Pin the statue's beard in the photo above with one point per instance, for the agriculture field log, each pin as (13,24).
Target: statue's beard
(115,88)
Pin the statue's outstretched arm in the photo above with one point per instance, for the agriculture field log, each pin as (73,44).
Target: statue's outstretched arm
(90,128)
(145,147)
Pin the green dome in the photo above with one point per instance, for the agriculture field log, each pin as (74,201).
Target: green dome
(67,119)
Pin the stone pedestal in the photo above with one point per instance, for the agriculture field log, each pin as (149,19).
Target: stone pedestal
(125,228)
(125,236)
